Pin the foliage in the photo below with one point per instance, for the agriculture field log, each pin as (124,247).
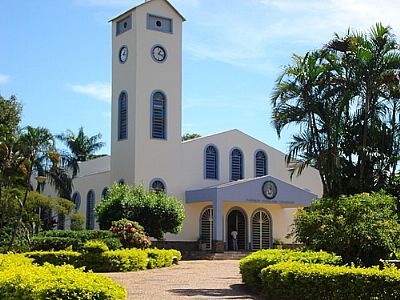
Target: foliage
(20,279)
(77,221)
(95,247)
(251,266)
(81,147)
(162,258)
(158,213)
(190,136)
(125,260)
(344,101)
(360,228)
(296,280)
(62,239)
(130,233)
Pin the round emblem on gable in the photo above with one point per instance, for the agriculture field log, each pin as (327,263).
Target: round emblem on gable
(269,189)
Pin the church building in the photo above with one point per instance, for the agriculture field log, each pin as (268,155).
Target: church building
(227,181)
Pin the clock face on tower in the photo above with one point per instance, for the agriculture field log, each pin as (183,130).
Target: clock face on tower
(123,54)
(158,53)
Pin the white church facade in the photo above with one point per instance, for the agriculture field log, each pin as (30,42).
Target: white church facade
(226,181)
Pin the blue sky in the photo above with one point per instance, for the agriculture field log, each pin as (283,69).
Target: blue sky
(55,56)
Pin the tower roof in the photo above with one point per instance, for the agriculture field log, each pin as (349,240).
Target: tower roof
(145,3)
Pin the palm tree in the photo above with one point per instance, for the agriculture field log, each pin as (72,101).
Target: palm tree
(344,99)
(374,61)
(81,146)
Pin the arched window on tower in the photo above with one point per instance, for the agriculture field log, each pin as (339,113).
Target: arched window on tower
(90,210)
(211,163)
(123,116)
(236,165)
(158,116)
(260,164)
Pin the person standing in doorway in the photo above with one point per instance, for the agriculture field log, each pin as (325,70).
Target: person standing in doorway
(234,239)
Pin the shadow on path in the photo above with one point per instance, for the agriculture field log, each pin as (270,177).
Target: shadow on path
(235,291)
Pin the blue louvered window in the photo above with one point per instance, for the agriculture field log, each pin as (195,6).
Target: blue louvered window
(123,116)
(158,121)
(90,210)
(236,165)
(261,164)
(211,163)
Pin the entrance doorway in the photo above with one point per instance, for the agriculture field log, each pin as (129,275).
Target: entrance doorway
(237,221)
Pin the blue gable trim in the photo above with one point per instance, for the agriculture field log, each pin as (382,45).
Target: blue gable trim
(250,191)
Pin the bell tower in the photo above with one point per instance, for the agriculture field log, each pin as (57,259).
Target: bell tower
(146,92)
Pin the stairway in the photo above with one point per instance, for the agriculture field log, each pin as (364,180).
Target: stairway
(207,255)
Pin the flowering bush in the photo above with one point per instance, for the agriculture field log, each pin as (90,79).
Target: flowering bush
(130,233)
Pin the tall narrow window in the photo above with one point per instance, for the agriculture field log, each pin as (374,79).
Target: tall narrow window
(211,163)
(159,117)
(90,210)
(123,116)
(236,165)
(76,199)
(206,227)
(261,164)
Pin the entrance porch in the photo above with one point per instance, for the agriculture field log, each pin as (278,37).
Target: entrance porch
(259,209)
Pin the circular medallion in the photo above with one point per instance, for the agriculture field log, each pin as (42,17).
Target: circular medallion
(269,189)
(158,53)
(123,54)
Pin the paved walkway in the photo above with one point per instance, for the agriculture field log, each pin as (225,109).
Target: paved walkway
(201,279)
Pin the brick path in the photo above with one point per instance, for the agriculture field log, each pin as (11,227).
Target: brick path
(201,279)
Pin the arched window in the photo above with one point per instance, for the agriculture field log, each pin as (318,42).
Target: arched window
(236,165)
(104,193)
(206,227)
(260,164)
(123,116)
(157,186)
(261,236)
(158,115)
(121,181)
(90,210)
(76,199)
(211,163)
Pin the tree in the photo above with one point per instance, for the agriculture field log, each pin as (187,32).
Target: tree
(190,136)
(361,228)
(81,146)
(344,100)
(158,213)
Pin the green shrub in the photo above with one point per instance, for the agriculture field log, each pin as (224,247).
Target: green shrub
(251,266)
(130,233)
(62,239)
(158,213)
(296,280)
(77,221)
(19,279)
(57,258)
(107,261)
(361,228)
(126,260)
(95,247)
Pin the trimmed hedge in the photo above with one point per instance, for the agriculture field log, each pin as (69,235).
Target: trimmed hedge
(20,279)
(162,258)
(109,261)
(251,266)
(296,280)
(62,239)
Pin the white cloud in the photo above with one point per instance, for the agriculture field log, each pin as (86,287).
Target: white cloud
(109,3)
(4,79)
(98,90)
(254,33)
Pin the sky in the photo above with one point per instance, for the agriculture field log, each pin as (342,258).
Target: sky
(55,56)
